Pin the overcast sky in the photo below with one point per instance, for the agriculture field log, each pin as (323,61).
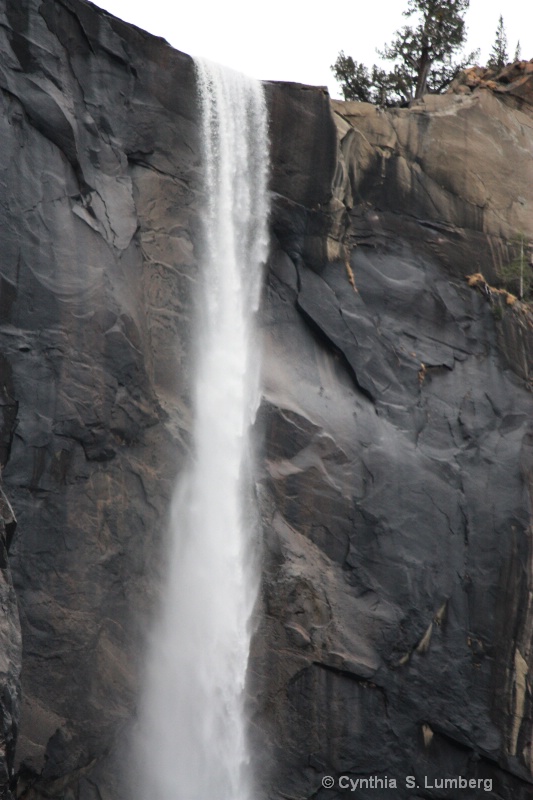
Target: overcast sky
(298,40)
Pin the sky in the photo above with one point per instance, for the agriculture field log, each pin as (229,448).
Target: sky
(298,40)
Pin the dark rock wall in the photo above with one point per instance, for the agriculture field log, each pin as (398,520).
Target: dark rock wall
(10,653)
(396,487)
(394,629)
(99,170)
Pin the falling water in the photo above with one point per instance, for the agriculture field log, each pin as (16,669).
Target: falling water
(194,722)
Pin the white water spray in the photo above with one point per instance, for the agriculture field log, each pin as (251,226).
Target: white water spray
(193,719)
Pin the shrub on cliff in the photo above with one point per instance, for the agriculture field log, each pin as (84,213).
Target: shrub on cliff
(423,55)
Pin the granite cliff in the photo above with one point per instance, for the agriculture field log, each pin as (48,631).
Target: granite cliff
(397,472)
(394,477)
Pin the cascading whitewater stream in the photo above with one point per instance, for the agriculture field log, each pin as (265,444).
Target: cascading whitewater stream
(193,719)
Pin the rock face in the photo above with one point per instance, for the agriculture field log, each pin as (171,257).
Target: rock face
(10,649)
(99,165)
(513,83)
(397,472)
(394,473)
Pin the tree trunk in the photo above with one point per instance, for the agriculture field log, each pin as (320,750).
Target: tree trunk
(423,73)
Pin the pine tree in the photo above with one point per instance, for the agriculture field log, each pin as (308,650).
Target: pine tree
(499,57)
(423,56)
(375,86)
(518,52)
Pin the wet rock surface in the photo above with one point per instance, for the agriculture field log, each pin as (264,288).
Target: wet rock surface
(394,629)
(10,653)
(99,164)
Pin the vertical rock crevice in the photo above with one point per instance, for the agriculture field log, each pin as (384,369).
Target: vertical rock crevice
(11,650)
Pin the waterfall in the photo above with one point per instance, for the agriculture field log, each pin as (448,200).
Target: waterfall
(193,716)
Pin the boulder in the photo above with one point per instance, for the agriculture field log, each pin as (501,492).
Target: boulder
(514,83)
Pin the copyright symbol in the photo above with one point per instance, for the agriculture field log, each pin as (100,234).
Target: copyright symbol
(327,782)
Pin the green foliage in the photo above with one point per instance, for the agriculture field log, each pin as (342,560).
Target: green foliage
(369,86)
(518,52)
(499,57)
(423,56)
(517,274)
(497,311)
(354,78)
